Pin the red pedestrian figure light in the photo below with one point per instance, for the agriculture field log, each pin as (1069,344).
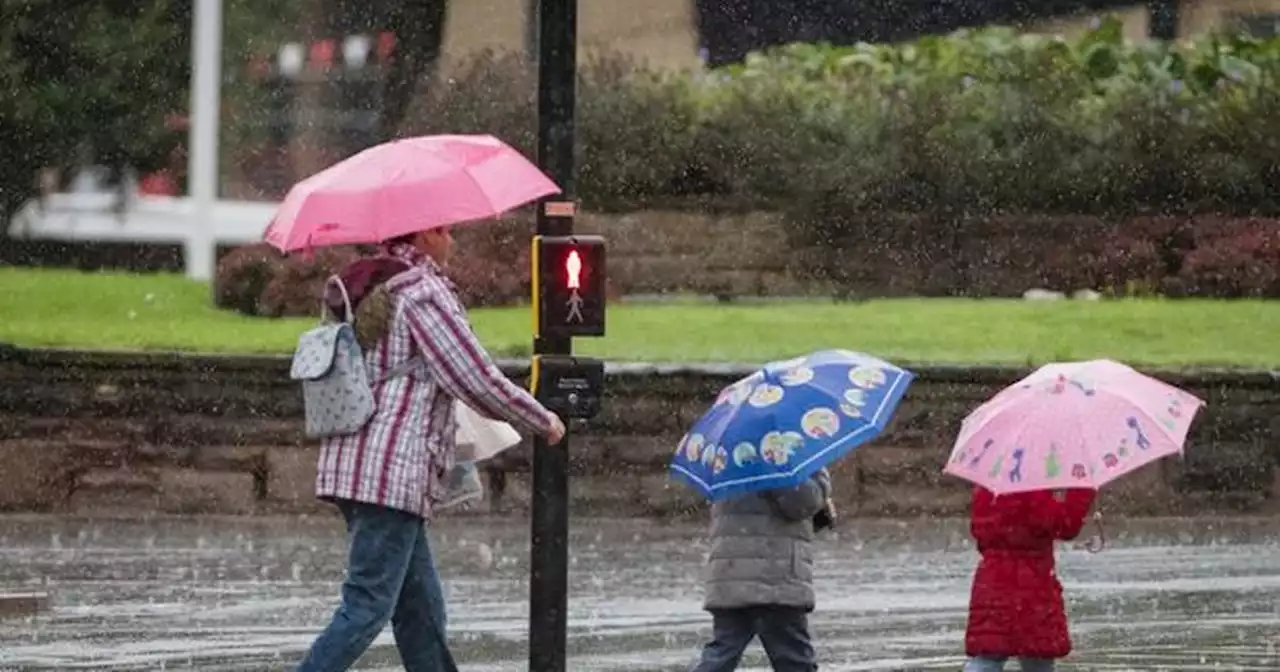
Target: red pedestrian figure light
(573,270)
(568,279)
(573,281)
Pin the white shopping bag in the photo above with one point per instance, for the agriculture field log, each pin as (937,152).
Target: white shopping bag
(480,438)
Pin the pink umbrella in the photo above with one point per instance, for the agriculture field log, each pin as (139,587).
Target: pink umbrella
(1071,425)
(405,186)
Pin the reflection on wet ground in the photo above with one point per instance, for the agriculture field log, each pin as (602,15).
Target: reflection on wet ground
(244,594)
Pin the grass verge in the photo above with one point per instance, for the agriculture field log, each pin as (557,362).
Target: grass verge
(116,311)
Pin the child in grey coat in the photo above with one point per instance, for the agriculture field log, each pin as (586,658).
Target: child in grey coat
(760,576)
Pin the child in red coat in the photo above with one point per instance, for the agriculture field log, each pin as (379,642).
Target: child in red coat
(1016,608)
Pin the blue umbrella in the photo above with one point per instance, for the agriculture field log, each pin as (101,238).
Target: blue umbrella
(780,425)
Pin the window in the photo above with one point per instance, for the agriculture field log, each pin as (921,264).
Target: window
(1259,25)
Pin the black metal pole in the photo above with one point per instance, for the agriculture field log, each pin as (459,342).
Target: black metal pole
(549,553)
(1162,17)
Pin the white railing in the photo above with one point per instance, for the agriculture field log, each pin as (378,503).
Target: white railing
(199,222)
(84,217)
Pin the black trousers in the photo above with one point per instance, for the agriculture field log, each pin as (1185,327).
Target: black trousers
(783,631)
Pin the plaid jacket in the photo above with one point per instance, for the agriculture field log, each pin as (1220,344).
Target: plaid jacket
(399,458)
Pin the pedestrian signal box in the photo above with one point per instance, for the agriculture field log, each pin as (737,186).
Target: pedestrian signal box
(572,387)
(568,286)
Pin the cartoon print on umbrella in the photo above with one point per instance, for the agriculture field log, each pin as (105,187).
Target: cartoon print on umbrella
(719,460)
(708,455)
(744,453)
(765,395)
(1143,442)
(778,447)
(973,463)
(1051,465)
(693,447)
(1015,473)
(1174,410)
(737,393)
(1079,472)
(820,423)
(1061,382)
(1059,385)
(796,376)
(854,400)
(997,466)
(867,377)
(1085,387)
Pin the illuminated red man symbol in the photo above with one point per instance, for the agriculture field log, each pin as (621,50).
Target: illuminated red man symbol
(573,270)
(573,280)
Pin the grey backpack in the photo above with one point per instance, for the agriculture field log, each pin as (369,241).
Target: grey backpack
(337,394)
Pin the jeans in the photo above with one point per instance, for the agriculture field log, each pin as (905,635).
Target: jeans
(997,664)
(783,631)
(391,576)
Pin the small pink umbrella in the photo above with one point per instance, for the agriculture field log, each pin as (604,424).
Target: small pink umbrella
(1071,425)
(405,186)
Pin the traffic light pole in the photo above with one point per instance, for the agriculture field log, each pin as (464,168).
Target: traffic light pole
(549,553)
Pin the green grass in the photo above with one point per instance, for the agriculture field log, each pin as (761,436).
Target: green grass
(165,312)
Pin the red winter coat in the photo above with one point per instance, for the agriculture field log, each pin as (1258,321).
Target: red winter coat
(1016,608)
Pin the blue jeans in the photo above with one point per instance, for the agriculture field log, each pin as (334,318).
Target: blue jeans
(783,631)
(391,576)
(997,664)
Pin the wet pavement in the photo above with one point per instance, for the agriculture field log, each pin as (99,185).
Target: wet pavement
(251,593)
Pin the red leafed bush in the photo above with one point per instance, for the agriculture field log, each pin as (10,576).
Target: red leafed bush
(1234,258)
(296,287)
(490,264)
(1122,262)
(1140,255)
(490,267)
(242,276)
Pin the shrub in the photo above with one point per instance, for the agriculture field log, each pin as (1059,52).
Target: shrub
(1133,257)
(979,122)
(491,266)
(1234,258)
(242,276)
(490,92)
(949,155)
(296,287)
(1123,263)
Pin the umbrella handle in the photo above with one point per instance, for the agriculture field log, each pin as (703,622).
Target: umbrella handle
(1097,542)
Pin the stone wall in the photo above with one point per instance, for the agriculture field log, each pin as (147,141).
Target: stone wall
(187,434)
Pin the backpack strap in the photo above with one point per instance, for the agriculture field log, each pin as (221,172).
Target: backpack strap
(348,313)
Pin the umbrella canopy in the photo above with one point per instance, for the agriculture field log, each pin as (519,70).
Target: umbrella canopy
(780,425)
(406,186)
(1071,425)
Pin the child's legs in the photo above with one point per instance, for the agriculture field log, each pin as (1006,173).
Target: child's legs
(731,632)
(784,632)
(986,664)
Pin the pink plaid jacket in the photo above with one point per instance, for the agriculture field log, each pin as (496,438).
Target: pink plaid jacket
(399,458)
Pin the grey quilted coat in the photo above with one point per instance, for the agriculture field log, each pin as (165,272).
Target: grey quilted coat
(762,547)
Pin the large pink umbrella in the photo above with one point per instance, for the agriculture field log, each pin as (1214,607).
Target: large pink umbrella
(405,186)
(1071,425)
